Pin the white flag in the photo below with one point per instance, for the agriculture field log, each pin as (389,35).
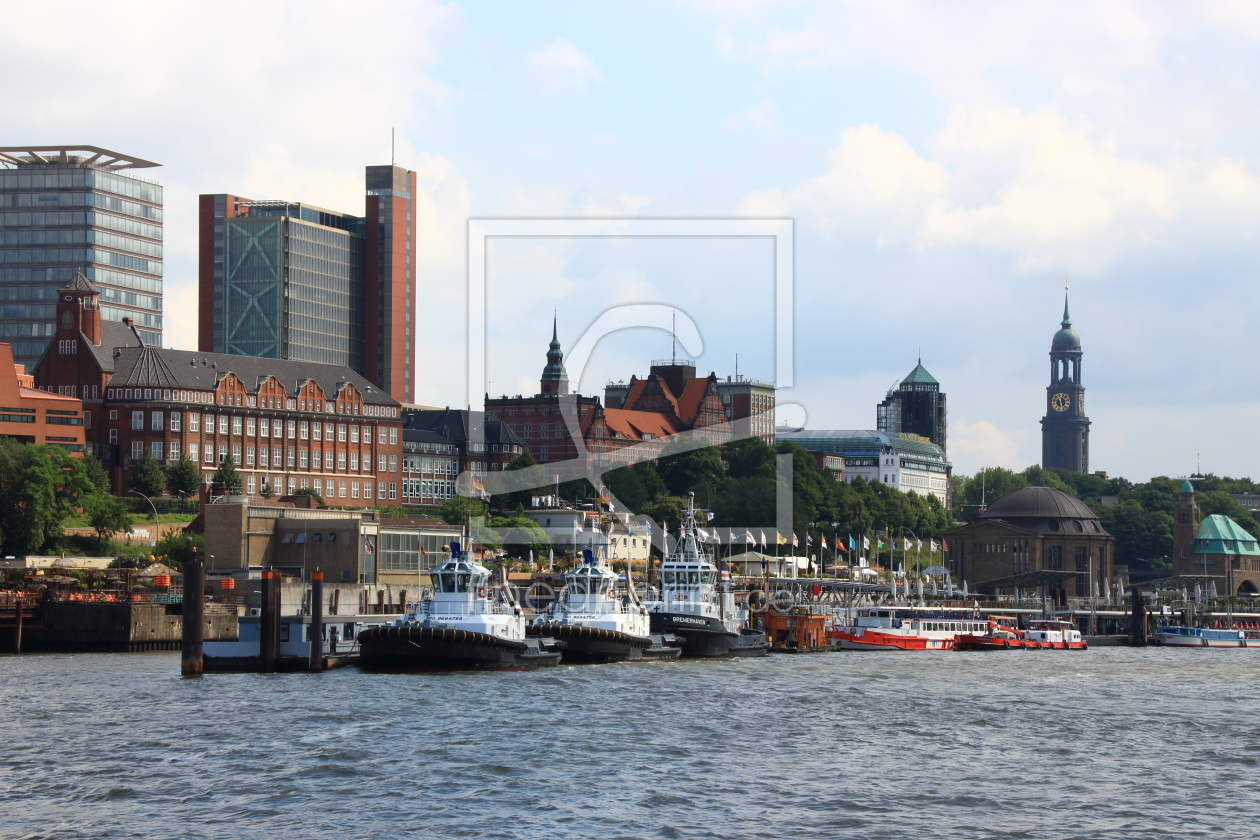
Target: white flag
(932,545)
(717,536)
(748,538)
(763,538)
(710,516)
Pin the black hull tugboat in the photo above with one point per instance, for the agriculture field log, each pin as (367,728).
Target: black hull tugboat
(597,622)
(462,625)
(697,603)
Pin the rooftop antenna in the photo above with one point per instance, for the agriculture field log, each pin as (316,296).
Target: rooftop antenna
(391,146)
(736,367)
(673,336)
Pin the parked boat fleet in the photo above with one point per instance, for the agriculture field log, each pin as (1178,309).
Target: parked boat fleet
(466,623)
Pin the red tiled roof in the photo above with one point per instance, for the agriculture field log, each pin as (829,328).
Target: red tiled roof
(36,394)
(635,424)
(691,400)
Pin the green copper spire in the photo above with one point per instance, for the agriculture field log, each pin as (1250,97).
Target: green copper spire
(1067,320)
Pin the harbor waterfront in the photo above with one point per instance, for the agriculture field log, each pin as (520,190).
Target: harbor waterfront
(1121,743)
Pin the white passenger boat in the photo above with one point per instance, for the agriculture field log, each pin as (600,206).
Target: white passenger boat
(696,602)
(599,619)
(1216,637)
(461,624)
(907,628)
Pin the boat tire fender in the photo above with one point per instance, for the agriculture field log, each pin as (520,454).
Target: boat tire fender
(1006,643)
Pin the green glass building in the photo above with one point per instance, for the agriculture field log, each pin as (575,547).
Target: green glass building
(293,283)
(66,209)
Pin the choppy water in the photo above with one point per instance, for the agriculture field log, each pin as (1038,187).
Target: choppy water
(1113,743)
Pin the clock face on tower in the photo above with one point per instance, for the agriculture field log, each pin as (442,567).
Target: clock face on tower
(1060,402)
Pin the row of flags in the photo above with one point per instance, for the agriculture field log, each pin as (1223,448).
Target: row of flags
(760,540)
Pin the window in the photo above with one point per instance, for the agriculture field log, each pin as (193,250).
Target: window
(223,424)
(383,437)
(303,457)
(175,421)
(354,489)
(354,462)
(341,432)
(236,454)
(341,489)
(317,431)
(209,453)
(393,490)
(341,460)
(292,481)
(249,482)
(393,463)
(380,489)
(1054,558)
(393,435)
(194,451)
(174,450)
(157,421)
(249,456)
(382,464)
(113,436)
(319,486)
(236,425)
(222,452)
(304,432)
(275,456)
(354,434)
(264,427)
(291,429)
(137,449)
(289,456)
(367,489)
(137,420)
(113,414)
(367,434)
(194,422)
(328,459)
(264,456)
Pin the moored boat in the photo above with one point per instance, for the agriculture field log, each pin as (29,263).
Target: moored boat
(462,624)
(696,602)
(1215,637)
(600,621)
(907,628)
(1048,634)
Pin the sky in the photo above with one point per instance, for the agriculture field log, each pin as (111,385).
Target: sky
(946,167)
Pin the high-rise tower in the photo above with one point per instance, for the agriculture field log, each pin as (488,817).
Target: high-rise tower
(390,281)
(69,209)
(915,407)
(1065,428)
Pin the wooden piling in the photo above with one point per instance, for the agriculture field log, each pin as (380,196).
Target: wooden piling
(317,621)
(17,626)
(192,660)
(269,623)
(1137,619)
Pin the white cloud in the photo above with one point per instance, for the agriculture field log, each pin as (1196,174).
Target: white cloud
(560,64)
(984,444)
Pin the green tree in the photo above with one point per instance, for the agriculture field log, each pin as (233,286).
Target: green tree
(458,510)
(176,549)
(146,476)
(625,483)
(265,490)
(521,498)
(520,535)
(985,487)
(227,477)
(1143,537)
(39,487)
(108,515)
(96,472)
(183,478)
(309,491)
(690,470)
(666,511)
(749,458)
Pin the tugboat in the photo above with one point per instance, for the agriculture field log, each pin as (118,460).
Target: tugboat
(697,602)
(598,622)
(462,624)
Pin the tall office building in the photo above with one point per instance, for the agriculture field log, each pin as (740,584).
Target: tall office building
(288,280)
(915,407)
(66,209)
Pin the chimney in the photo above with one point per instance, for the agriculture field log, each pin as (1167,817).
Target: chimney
(126,320)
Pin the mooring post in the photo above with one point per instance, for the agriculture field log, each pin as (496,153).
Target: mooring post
(1137,623)
(268,624)
(317,621)
(17,627)
(192,661)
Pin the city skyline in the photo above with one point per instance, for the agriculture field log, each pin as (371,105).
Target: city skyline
(943,183)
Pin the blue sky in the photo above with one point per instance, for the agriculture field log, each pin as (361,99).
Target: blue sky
(946,166)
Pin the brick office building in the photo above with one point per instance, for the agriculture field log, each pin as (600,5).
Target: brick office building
(286,424)
(289,280)
(440,444)
(643,413)
(34,416)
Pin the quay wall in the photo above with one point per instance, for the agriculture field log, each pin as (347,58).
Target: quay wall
(125,627)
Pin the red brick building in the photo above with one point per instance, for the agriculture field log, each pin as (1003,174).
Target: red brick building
(287,424)
(34,416)
(671,400)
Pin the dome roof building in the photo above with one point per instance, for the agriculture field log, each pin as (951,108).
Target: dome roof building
(1035,539)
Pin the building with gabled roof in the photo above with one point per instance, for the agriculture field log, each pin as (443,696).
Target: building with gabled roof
(441,444)
(286,424)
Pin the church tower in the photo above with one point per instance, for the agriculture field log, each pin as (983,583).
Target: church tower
(1185,529)
(1065,428)
(554,378)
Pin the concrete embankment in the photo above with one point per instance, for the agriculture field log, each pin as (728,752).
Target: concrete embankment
(67,626)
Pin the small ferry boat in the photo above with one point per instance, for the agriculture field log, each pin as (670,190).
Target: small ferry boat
(600,621)
(997,637)
(1042,633)
(696,602)
(1218,637)
(461,624)
(907,628)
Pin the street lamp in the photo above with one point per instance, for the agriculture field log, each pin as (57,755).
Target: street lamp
(150,501)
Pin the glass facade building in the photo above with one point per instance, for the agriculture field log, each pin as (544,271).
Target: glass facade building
(291,283)
(70,209)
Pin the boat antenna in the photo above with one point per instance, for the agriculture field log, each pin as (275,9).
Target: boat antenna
(673,336)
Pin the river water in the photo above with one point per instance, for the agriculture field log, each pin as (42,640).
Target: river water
(1112,742)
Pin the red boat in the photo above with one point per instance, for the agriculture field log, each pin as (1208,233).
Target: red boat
(906,628)
(1051,633)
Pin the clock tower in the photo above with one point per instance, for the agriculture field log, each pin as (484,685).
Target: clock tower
(1065,428)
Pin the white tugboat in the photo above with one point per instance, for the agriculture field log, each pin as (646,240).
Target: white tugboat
(598,621)
(462,624)
(697,602)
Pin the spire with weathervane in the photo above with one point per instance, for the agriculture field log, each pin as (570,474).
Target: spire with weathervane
(1065,428)
(554,378)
